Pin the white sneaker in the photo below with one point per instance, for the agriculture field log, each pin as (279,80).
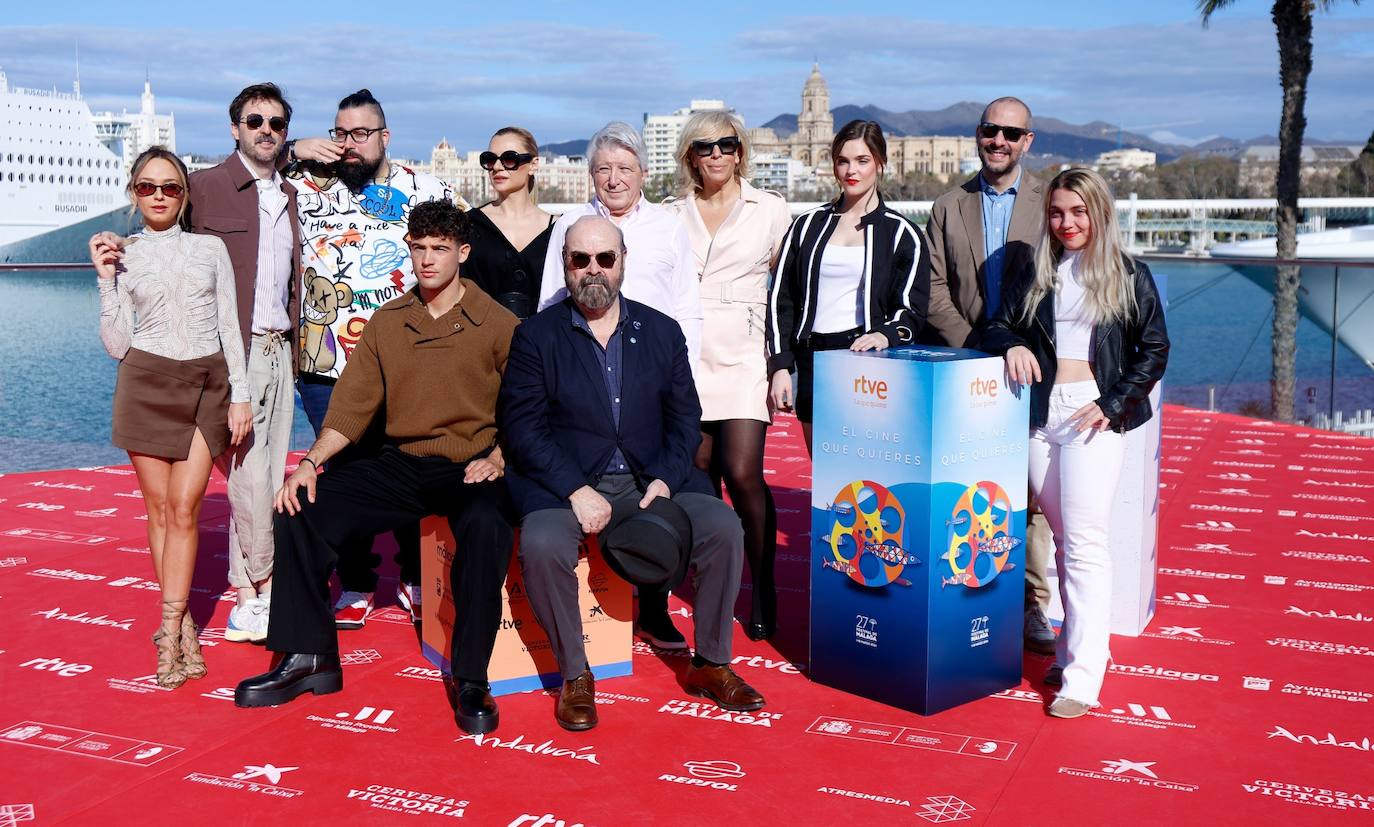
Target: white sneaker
(352,610)
(248,623)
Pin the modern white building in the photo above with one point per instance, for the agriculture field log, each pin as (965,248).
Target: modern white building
(129,133)
(1124,159)
(773,171)
(661,133)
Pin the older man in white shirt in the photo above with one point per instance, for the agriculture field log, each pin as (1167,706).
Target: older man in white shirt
(659,269)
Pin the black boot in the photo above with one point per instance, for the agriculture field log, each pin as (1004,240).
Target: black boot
(295,675)
(475,709)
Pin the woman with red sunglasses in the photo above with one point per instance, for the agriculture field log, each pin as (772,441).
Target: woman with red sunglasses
(510,234)
(168,314)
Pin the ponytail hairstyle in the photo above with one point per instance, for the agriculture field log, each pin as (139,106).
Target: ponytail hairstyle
(1108,287)
(526,140)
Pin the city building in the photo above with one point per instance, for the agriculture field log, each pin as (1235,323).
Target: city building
(945,156)
(661,133)
(129,133)
(810,144)
(780,173)
(1259,164)
(561,178)
(1129,158)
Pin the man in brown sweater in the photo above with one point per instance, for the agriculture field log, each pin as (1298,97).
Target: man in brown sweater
(431,362)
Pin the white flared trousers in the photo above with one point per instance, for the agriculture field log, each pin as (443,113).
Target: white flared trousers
(1074,476)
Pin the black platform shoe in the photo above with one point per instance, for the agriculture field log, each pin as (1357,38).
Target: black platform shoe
(294,675)
(475,709)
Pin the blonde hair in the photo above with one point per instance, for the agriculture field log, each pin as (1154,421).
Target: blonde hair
(708,126)
(150,154)
(1108,287)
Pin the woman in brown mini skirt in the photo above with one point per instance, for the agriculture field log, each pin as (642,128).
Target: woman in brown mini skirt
(168,313)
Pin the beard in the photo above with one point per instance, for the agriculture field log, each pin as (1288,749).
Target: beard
(595,293)
(264,150)
(359,175)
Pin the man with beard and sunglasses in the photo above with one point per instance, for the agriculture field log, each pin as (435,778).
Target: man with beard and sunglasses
(247,204)
(981,235)
(355,205)
(600,418)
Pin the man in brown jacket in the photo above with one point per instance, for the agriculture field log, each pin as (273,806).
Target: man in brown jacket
(441,456)
(245,202)
(981,235)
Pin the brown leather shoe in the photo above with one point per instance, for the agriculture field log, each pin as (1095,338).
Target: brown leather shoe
(722,685)
(577,705)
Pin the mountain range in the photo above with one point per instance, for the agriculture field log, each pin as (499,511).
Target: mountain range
(1057,140)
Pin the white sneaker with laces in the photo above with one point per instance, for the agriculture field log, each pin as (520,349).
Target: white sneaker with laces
(247,623)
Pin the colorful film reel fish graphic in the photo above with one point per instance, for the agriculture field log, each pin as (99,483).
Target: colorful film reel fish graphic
(866,534)
(980,536)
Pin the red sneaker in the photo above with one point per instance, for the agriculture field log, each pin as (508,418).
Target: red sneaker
(352,610)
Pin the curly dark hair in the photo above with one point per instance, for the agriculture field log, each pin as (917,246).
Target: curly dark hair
(438,219)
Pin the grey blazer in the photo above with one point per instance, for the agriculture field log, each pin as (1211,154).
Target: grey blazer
(955,234)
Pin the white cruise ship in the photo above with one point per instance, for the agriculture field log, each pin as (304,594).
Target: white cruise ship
(59,183)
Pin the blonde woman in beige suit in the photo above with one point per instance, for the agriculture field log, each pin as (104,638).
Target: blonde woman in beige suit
(736,230)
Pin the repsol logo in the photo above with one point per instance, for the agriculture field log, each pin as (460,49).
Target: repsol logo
(869,387)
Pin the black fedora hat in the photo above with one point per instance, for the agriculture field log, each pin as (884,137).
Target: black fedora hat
(648,546)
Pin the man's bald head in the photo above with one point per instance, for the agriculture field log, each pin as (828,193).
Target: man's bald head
(593,262)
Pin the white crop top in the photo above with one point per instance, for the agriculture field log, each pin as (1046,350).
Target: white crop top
(1073,327)
(837,289)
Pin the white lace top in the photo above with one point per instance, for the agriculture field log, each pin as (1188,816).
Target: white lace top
(174,297)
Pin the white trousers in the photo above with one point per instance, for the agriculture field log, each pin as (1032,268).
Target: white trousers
(257,466)
(1074,478)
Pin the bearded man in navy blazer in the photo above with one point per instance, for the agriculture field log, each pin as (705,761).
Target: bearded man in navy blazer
(598,409)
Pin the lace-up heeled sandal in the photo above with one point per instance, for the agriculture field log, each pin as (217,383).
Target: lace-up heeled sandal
(168,642)
(192,661)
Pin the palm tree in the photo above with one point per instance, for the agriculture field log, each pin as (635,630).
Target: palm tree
(1293,24)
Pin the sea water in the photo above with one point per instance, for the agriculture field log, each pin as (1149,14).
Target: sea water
(56,381)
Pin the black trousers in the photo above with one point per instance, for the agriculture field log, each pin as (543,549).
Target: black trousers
(380,493)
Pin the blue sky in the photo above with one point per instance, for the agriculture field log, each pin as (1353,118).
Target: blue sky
(561,69)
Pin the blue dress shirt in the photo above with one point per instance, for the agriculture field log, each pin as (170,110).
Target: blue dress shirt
(997,207)
(610,358)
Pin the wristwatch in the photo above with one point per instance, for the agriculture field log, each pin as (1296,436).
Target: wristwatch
(290,147)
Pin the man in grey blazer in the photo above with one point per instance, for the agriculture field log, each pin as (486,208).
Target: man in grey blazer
(981,234)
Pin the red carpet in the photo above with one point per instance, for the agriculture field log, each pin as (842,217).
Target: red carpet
(1247,702)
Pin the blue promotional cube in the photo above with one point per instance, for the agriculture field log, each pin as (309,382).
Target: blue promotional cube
(918,526)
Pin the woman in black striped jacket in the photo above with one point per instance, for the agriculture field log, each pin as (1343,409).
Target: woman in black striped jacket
(853,273)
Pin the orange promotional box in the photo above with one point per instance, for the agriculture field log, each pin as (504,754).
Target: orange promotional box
(523,658)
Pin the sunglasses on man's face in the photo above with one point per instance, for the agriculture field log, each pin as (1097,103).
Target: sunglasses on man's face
(1014,133)
(510,159)
(605,259)
(729,145)
(276,123)
(146,188)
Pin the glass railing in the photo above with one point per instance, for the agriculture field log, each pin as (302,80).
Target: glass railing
(1220,315)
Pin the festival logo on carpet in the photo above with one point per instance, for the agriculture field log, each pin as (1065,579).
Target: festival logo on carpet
(980,536)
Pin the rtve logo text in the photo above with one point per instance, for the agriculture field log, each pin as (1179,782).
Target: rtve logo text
(868,387)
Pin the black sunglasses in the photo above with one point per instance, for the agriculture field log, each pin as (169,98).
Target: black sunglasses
(254,121)
(510,159)
(605,259)
(1014,133)
(147,188)
(729,145)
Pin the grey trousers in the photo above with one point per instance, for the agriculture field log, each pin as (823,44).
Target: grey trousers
(548,561)
(257,466)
